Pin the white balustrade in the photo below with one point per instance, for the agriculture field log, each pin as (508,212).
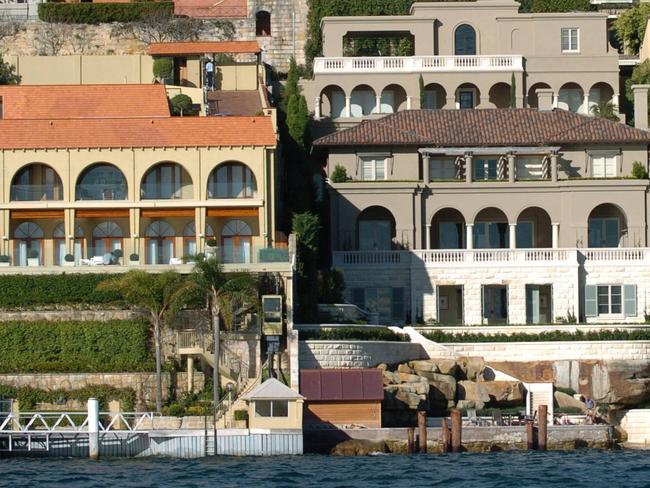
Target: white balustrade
(616,254)
(409,64)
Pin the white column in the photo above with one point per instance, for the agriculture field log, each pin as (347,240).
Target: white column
(409,102)
(556,235)
(556,100)
(348,108)
(511,168)
(468,168)
(615,103)
(378,104)
(585,103)
(190,374)
(93,428)
(426,176)
(470,236)
(428,236)
(317,108)
(512,236)
(554,157)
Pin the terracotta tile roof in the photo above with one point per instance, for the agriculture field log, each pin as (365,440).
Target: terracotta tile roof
(83,101)
(341,384)
(222,9)
(228,47)
(116,133)
(485,127)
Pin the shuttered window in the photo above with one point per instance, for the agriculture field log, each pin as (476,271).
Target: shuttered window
(610,300)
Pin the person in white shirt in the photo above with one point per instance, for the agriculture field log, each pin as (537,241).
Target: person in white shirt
(209,71)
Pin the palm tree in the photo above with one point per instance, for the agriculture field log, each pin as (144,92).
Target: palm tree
(224,294)
(606,110)
(161,296)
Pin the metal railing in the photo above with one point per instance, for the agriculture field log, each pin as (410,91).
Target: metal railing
(48,422)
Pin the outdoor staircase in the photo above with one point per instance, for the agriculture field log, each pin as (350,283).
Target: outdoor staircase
(226,419)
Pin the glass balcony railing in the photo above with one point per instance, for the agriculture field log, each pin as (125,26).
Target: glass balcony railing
(164,192)
(35,193)
(101,192)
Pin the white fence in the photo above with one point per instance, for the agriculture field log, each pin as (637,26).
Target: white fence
(19,11)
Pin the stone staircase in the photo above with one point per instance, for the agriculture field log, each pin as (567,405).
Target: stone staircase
(227,417)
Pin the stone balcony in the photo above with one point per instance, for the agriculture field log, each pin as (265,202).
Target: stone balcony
(418,64)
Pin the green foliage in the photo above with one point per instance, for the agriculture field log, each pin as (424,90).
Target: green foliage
(182,105)
(96,13)
(29,397)
(513,91)
(630,26)
(606,110)
(639,171)
(560,6)
(19,291)
(567,391)
(640,76)
(378,45)
(353,334)
(296,109)
(163,68)
(241,415)
(74,347)
(421,88)
(556,335)
(339,175)
(331,284)
(8,74)
(306,226)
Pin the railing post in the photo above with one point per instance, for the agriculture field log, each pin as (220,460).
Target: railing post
(93,428)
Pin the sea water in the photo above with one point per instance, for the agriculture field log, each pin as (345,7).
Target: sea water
(583,468)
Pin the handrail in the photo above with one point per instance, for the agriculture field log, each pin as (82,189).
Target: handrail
(74,421)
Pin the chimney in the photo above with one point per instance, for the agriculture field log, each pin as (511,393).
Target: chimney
(544,99)
(641,106)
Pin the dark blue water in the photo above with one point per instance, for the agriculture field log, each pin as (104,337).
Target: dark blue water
(593,469)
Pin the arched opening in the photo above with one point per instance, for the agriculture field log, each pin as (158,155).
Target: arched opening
(491,229)
(236,242)
(263,23)
(332,99)
(375,229)
(465,40)
(434,96)
(159,242)
(28,243)
(600,96)
(232,180)
(532,94)
(101,181)
(607,225)
(107,237)
(393,99)
(571,98)
(165,181)
(468,96)
(499,96)
(189,238)
(448,229)
(36,182)
(363,101)
(60,248)
(534,229)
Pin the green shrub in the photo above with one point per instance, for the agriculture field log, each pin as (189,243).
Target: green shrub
(28,397)
(568,410)
(639,171)
(339,175)
(353,334)
(163,68)
(74,347)
(19,291)
(556,335)
(176,410)
(182,105)
(241,414)
(96,13)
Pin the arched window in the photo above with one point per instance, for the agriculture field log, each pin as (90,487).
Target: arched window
(160,242)
(60,249)
(262,23)
(36,182)
(101,182)
(107,237)
(189,237)
(375,229)
(232,180)
(28,236)
(236,242)
(166,181)
(465,40)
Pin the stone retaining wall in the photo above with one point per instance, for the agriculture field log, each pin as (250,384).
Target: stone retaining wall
(637,425)
(555,351)
(356,354)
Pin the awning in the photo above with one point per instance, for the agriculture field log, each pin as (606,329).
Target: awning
(233,212)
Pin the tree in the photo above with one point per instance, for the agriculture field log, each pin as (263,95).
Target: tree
(51,38)
(606,110)
(630,27)
(513,91)
(306,226)
(226,296)
(640,76)
(8,74)
(555,6)
(163,68)
(423,98)
(182,104)
(161,296)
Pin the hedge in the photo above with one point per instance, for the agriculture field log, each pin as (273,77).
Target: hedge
(74,347)
(96,13)
(353,334)
(18,291)
(557,335)
(28,397)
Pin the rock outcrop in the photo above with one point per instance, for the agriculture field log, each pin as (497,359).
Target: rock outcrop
(359,447)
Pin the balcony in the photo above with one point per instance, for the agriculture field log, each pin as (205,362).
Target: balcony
(418,64)
(35,193)
(88,191)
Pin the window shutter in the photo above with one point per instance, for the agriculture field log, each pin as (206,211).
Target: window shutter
(591,301)
(629,300)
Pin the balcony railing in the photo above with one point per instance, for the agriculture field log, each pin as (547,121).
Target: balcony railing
(35,193)
(417,64)
(616,254)
(101,192)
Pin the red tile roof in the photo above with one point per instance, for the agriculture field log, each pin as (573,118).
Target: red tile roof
(341,384)
(152,132)
(485,127)
(207,47)
(83,101)
(222,9)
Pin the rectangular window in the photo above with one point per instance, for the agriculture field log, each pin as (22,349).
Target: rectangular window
(603,165)
(442,169)
(570,40)
(485,169)
(491,235)
(466,99)
(603,232)
(529,168)
(271,408)
(610,299)
(373,169)
(495,304)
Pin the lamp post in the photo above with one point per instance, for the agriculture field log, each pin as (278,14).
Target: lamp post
(230,386)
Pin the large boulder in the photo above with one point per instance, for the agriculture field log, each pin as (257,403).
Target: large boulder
(411,396)
(391,378)
(443,387)
(470,368)
(359,447)
(564,400)
(473,392)
(504,393)
(426,365)
(404,368)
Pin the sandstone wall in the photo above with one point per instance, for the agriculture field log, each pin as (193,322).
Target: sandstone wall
(637,425)
(356,354)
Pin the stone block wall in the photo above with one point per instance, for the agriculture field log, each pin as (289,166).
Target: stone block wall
(356,354)
(637,425)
